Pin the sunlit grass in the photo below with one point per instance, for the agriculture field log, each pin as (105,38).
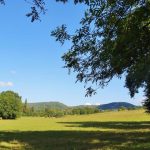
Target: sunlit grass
(107,130)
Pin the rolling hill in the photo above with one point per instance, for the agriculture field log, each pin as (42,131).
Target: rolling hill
(58,105)
(49,105)
(116,105)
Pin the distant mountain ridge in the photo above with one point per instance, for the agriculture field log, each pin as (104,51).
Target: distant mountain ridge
(116,105)
(49,105)
(59,105)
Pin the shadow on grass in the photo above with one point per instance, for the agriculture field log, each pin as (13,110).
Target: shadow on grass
(84,140)
(110,125)
(67,140)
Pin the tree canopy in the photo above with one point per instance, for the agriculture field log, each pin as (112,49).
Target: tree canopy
(114,40)
(10,105)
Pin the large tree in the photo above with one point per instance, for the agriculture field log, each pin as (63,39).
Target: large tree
(114,40)
(10,105)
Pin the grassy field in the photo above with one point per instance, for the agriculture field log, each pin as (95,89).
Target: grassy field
(128,130)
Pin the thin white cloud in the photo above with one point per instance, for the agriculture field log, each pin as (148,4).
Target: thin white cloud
(6,84)
(97,104)
(88,104)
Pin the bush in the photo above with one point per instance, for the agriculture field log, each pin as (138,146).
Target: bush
(10,105)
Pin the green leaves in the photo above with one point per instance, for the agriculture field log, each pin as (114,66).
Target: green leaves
(61,34)
(2,2)
(37,7)
(113,40)
(10,105)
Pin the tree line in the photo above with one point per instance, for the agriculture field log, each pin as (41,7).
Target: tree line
(49,112)
(12,107)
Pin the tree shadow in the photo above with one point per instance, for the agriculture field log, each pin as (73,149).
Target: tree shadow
(76,140)
(110,125)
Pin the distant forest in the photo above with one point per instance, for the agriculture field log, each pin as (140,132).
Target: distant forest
(12,107)
(57,109)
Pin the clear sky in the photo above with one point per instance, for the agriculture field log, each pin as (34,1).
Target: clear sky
(31,62)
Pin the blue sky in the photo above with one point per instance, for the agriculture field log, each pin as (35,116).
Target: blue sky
(31,62)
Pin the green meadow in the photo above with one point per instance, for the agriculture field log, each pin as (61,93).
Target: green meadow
(124,130)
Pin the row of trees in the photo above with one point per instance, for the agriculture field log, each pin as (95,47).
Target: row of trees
(46,112)
(11,107)
(71,111)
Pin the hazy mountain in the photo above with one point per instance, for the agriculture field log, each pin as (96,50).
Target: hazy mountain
(81,106)
(116,105)
(49,105)
(58,105)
